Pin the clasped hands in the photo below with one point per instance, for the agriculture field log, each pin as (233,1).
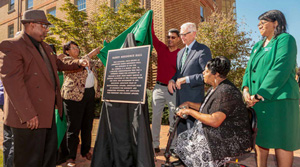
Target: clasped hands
(172,85)
(250,99)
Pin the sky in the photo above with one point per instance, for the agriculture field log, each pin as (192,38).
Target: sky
(249,10)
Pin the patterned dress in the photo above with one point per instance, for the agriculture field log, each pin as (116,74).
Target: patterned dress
(206,146)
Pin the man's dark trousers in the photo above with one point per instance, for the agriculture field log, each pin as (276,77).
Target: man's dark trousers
(35,148)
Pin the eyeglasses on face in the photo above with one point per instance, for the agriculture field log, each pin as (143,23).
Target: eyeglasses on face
(173,37)
(46,26)
(262,23)
(185,33)
(74,47)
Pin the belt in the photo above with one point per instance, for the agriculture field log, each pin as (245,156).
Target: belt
(160,83)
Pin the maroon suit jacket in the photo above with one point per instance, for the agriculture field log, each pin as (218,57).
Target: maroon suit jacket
(29,90)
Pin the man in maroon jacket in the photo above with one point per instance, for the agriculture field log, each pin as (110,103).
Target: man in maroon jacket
(28,71)
(166,68)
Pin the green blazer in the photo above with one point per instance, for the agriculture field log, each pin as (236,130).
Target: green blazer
(271,70)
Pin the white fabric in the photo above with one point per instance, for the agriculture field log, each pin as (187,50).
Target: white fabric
(90,79)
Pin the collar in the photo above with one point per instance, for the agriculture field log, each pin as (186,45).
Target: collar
(35,42)
(190,46)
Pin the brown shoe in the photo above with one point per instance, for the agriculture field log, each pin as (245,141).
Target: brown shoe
(88,156)
(71,163)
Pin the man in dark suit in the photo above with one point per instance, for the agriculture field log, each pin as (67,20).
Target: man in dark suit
(28,70)
(188,79)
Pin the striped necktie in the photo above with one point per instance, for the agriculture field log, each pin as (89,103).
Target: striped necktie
(183,59)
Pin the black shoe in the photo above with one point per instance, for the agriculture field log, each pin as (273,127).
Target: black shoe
(177,163)
(157,150)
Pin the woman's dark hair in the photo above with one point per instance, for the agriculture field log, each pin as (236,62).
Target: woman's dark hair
(220,65)
(67,47)
(275,15)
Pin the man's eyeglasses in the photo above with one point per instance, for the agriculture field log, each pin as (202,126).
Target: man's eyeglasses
(185,33)
(173,37)
(46,26)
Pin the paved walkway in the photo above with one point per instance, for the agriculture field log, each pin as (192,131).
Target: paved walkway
(246,160)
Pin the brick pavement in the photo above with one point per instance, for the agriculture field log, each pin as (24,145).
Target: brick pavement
(246,160)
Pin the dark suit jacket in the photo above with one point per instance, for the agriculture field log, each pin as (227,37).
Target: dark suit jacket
(193,67)
(29,90)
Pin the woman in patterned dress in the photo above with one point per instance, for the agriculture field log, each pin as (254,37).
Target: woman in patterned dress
(222,128)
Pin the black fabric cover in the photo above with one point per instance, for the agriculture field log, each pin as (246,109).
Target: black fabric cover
(124,137)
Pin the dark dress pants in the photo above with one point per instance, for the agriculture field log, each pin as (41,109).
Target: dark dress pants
(35,148)
(80,118)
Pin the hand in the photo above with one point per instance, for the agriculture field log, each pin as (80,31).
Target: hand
(247,98)
(179,82)
(84,63)
(33,123)
(182,112)
(171,86)
(184,105)
(94,52)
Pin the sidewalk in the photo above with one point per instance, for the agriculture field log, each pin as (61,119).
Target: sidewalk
(82,162)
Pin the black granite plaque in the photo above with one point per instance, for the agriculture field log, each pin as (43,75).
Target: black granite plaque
(126,75)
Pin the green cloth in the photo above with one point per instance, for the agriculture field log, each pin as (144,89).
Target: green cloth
(142,33)
(61,78)
(61,127)
(271,74)
(61,124)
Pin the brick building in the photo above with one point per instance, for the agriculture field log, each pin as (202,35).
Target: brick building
(167,14)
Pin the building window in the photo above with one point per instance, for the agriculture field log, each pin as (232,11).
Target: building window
(11,5)
(81,4)
(116,4)
(52,11)
(29,4)
(11,31)
(202,14)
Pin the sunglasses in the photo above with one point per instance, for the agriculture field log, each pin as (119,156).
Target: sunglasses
(173,37)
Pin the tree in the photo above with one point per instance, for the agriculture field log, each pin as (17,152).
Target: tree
(90,32)
(220,32)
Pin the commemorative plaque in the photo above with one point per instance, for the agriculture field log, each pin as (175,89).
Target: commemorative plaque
(126,74)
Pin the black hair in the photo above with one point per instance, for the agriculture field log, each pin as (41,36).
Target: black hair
(67,47)
(275,15)
(174,30)
(220,64)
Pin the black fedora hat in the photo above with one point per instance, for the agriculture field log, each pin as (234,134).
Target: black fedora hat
(34,16)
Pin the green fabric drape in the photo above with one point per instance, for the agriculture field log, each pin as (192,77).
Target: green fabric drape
(142,33)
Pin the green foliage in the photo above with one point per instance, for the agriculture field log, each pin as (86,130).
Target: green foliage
(90,32)
(220,32)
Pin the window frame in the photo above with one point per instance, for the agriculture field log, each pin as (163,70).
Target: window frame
(78,6)
(9,34)
(11,6)
(27,8)
(202,16)
(50,10)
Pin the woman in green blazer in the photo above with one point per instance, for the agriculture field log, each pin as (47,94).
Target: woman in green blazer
(269,86)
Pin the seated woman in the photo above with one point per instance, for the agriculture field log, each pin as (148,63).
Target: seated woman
(222,129)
